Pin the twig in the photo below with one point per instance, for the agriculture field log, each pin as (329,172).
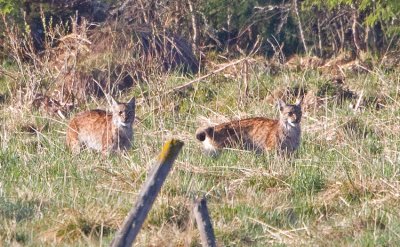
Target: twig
(277,232)
(6,73)
(358,101)
(186,85)
(189,83)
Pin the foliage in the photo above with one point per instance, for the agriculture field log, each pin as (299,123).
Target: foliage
(8,6)
(228,25)
(376,11)
(242,22)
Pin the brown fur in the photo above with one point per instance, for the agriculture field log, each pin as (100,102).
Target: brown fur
(102,131)
(259,134)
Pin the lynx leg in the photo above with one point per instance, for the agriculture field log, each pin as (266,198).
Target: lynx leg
(106,150)
(72,138)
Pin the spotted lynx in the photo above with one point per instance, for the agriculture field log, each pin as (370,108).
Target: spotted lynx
(103,131)
(259,134)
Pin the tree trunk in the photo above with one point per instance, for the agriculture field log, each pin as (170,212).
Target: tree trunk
(356,34)
(195,26)
(319,38)
(296,10)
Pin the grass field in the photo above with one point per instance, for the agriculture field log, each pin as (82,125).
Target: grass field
(341,189)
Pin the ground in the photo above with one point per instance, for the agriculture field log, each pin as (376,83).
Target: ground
(340,189)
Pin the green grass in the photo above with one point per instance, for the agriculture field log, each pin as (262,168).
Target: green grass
(340,189)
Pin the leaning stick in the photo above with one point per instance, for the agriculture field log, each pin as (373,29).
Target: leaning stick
(148,194)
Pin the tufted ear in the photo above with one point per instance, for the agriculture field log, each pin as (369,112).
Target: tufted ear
(299,101)
(132,102)
(281,104)
(111,101)
(114,103)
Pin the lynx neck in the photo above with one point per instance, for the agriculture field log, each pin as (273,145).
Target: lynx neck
(290,136)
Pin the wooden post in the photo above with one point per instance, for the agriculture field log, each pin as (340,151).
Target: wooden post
(203,221)
(148,193)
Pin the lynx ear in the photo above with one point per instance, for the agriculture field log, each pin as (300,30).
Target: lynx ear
(132,102)
(299,101)
(281,104)
(113,102)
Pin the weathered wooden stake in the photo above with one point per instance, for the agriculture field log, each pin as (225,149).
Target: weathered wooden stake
(203,221)
(148,193)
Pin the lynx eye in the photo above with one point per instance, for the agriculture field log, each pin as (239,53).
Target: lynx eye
(120,113)
(291,114)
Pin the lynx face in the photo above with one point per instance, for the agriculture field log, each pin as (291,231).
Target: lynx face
(290,114)
(123,113)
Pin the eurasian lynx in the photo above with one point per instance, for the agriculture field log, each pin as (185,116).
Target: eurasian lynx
(259,134)
(102,131)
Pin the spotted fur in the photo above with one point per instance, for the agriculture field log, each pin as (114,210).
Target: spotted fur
(259,134)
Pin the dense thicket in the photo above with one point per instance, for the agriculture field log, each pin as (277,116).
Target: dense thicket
(317,27)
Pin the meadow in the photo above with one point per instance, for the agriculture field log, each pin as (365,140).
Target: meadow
(340,189)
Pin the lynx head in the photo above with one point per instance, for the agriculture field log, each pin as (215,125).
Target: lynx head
(290,114)
(123,113)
